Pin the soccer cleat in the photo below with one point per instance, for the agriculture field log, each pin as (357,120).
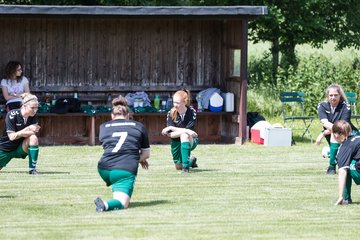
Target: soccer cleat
(347,201)
(331,171)
(185,170)
(325,152)
(193,159)
(100,205)
(34,172)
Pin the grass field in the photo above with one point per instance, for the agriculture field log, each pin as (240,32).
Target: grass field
(239,192)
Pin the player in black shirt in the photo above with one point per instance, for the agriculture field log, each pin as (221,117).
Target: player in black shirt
(19,136)
(180,128)
(126,144)
(348,160)
(334,108)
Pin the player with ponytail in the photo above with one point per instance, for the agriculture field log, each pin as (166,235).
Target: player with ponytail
(126,145)
(180,128)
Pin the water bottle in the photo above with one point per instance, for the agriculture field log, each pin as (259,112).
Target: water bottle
(47,97)
(169,103)
(54,100)
(157,102)
(163,105)
(198,99)
(109,102)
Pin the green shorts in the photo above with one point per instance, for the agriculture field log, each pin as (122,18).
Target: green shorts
(355,175)
(176,149)
(5,157)
(119,180)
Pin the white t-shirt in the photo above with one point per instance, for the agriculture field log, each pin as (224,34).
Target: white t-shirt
(14,86)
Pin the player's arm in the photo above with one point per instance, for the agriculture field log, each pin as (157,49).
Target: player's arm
(175,132)
(144,155)
(326,124)
(24,133)
(342,180)
(322,113)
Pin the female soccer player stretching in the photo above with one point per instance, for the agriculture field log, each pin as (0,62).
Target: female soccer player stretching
(348,160)
(181,121)
(19,136)
(126,144)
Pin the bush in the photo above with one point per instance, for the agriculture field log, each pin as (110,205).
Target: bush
(313,74)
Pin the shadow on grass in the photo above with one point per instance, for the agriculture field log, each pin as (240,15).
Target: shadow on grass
(43,173)
(7,196)
(298,139)
(40,172)
(201,170)
(148,203)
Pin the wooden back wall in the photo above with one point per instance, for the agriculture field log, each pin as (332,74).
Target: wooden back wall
(87,52)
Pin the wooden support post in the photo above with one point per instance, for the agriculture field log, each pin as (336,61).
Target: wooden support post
(92,131)
(243,85)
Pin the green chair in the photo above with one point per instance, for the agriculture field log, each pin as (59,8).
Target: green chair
(293,111)
(352,99)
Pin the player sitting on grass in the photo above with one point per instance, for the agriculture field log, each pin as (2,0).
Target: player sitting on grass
(348,160)
(19,136)
(126,144)
(181,121)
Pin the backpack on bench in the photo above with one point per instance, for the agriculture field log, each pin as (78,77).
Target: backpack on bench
(66,105)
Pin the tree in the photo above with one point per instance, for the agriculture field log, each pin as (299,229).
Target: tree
(347,29)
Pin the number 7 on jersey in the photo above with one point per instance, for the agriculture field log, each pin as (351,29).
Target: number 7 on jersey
(121,141)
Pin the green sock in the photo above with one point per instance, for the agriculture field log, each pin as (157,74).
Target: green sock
(333,151)
(190,162)
(114,205)
(33,156)
(347,189)
(185,154)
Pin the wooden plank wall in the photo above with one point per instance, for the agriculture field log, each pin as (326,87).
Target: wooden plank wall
(107,51)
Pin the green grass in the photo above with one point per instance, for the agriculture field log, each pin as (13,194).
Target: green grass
(239,192)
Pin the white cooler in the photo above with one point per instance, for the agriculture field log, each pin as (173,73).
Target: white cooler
(277,137)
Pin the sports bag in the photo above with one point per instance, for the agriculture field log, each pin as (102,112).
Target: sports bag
(66,105)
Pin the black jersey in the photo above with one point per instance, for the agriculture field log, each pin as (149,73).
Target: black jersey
(188,121)
(14,122)
(342,112)
(348,151)
(121,140)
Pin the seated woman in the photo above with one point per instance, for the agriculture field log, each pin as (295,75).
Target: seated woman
(181,121)
(348,160)
(13,85)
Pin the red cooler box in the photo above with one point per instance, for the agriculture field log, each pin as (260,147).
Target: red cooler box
(255,136)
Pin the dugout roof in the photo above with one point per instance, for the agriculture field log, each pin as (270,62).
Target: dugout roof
(181,11)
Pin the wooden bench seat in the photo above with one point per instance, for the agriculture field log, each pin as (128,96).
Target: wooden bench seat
(83,129)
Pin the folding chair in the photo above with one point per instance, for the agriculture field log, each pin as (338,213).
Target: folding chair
(351,99)
(293,110)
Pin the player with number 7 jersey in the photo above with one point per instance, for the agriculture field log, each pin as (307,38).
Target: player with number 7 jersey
(126,144)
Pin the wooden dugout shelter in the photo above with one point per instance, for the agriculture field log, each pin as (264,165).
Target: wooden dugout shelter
(97,50)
